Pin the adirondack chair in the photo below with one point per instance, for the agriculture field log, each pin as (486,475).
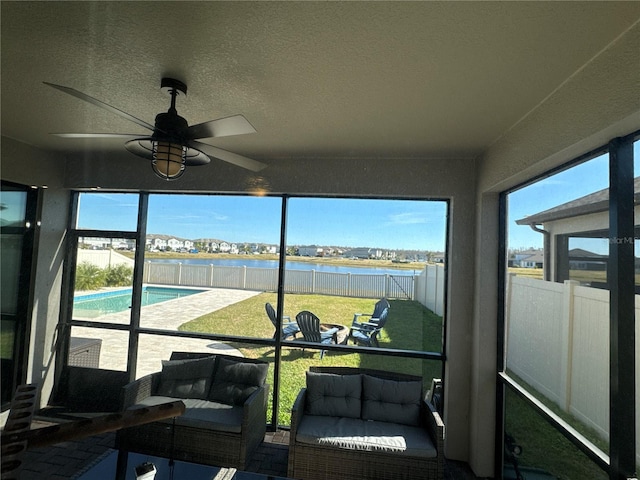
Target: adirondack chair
(309,325)
(366,333)
(289,328)
(360,319)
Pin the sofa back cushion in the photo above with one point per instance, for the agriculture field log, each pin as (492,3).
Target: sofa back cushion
(236,380)
(333,395)
(391,401)
(186,378)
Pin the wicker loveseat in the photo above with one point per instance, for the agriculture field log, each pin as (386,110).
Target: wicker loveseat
(353,423)
(225,417)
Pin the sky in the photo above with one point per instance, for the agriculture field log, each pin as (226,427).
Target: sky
(387,224)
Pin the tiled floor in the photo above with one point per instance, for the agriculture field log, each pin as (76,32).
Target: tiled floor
(69,459)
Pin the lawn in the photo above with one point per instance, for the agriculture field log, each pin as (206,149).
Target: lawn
(543,446)
(409,326)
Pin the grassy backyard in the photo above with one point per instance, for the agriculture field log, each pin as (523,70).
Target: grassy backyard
(409,326)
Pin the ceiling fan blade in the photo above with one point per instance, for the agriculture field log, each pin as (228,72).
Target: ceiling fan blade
(222,127)
(98,103)
(228,157)
(96,135)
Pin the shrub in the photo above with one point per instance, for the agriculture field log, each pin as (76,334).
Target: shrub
(119,276)
(89,277)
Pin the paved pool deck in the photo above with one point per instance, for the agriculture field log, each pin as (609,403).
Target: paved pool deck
(165,316)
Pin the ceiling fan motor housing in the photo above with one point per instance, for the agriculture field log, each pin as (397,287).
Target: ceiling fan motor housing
(170,127)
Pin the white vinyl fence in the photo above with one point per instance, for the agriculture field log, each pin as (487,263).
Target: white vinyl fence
(426,288)
(429,288)
(103,258)
(296,281)
(558,342)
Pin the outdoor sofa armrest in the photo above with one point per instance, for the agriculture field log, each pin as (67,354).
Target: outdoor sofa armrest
(254,408)
(138,390)
(435,426)
(297,411)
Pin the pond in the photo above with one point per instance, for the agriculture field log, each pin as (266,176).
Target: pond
(293,265)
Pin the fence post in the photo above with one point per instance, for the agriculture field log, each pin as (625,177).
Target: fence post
(568,296)
(349,284)
(313,281)
(386,286)
(244,277)
(179,274)
(211,275)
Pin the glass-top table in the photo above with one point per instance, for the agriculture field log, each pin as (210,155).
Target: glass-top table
(107,468)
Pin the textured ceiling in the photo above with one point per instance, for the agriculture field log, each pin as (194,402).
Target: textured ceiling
(316,79)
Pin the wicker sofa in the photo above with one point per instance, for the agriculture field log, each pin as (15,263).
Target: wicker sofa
(353,423)
(225,417)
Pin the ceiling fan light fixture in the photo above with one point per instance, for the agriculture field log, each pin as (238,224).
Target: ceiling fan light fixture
(169,159)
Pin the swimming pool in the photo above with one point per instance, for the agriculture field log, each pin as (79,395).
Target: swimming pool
(95,304)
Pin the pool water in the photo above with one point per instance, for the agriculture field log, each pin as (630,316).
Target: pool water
(96,304)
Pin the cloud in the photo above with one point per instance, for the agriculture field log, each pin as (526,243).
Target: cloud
(408,218)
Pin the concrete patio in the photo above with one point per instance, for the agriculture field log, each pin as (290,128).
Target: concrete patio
(167,315)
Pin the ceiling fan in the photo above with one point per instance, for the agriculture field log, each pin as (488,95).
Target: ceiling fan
(173,144)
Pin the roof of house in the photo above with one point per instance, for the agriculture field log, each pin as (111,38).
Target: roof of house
(537,257)
(592,203)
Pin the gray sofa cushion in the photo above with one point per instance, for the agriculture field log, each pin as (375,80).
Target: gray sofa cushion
(333,395)
(235,381)
(186,378)
(391,401)
(201,414)
(357,434)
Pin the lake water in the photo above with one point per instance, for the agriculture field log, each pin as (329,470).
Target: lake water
(293,265)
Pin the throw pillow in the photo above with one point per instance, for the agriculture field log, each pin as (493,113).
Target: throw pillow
(186,378)
(391,401)
(236,380)
(333,395)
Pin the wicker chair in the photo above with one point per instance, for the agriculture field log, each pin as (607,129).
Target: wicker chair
(323,462)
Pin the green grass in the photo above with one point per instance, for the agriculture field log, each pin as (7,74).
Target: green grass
(409,326)
(543,446)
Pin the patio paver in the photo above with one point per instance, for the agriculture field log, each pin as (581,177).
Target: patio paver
(165,316)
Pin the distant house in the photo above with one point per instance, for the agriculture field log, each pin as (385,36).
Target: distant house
(437,257)
(156,243)
(310,251)
(175,244)
(528,259)
(580,259)
(364,253)
(224,247)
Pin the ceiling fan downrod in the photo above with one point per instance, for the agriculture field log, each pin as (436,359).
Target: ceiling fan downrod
(173,87)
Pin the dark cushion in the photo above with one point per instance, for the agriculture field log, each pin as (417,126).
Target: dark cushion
(391,401)
(333,395)
(186,378)
(236,380)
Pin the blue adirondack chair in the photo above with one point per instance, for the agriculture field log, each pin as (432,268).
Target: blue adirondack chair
(309,325)
(289,328)
(360,319)
(366,333)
